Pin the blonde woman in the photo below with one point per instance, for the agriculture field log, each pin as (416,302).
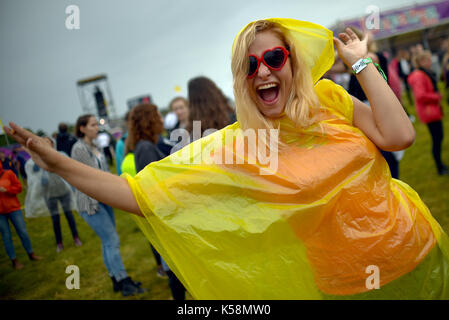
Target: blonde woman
(313,222)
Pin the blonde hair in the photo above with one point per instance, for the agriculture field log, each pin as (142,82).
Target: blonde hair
(420,56)
(302,104)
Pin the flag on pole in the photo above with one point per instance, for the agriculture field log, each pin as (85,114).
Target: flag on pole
(1,127)
(3,132)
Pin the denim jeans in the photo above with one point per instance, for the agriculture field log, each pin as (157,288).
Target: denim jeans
(18,221)
(52,204)
(103,223)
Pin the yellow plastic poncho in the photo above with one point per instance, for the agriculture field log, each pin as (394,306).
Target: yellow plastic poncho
(326,224)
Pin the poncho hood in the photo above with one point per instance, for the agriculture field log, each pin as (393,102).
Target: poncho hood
(314,41)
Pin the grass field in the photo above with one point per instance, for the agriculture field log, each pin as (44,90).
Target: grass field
(46,279)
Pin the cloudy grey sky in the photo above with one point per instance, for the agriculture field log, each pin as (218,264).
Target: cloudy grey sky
(143,46)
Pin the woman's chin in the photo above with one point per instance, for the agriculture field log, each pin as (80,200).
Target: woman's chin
(273,113)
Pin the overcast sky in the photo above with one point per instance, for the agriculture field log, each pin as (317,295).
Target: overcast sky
(144,46)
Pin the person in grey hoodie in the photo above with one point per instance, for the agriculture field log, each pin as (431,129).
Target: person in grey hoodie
(56,189)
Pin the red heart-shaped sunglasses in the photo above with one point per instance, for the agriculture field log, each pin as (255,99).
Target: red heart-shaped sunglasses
(274,59)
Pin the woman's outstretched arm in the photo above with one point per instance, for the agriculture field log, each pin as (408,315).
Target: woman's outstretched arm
(98,184)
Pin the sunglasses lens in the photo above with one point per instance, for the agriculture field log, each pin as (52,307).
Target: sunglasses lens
(275,58)
(252,65)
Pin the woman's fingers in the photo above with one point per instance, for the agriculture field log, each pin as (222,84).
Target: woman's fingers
(352,34)
(345,38)
(39,149)
(13,134)
(338,43)
(22,136)
(23,133)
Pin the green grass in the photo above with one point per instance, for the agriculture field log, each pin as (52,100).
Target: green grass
(46,279)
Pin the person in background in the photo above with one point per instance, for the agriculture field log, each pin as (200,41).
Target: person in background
(209,105)
(176,118)
(179,110)
(415,50)
(338,73)
(64,140)
(404,69)
(445,72)
(427,102)
(10,209)
(19,162)
(99,216)
(180,106)
(120,146)
(104,143)
(7,162)
(394,80)
(444,47)
(145,127)
(55,190)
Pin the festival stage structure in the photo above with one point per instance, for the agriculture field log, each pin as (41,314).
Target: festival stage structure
(96,97)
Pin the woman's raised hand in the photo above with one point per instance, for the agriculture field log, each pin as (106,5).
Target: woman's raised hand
(350,48)
(39,148)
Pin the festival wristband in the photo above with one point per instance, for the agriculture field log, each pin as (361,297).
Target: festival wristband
(363,63)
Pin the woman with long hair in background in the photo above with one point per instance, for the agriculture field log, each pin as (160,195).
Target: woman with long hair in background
(144,127)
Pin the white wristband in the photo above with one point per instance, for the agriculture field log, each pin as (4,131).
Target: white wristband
(360,65)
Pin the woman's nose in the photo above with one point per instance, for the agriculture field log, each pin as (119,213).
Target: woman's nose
(263,71)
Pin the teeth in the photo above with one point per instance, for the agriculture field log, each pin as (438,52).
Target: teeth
(267,86)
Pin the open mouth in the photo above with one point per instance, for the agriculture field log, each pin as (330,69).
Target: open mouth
(268,92)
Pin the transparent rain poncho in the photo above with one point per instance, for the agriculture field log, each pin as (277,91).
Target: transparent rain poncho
(35,198)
